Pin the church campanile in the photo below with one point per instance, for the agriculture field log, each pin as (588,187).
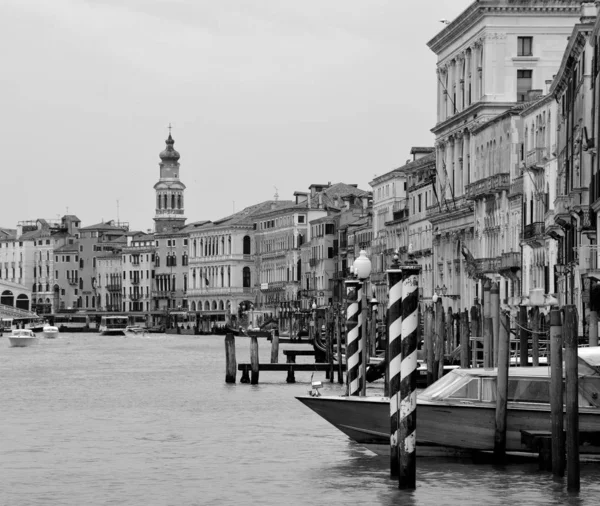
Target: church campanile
(169,215)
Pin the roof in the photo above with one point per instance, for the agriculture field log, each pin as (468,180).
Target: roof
(245,217)
(416,150)
(67,248)
(103,226)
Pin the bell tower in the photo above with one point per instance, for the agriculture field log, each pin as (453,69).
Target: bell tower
(169,215)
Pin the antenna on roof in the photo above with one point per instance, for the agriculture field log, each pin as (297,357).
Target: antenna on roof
(276,194)
(118,220)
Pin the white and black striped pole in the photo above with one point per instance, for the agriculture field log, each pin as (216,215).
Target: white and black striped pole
(408,376)
(394,322)
(352,338)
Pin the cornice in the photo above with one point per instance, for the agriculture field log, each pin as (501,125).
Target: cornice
(574,49)
(479,9)
(461,120)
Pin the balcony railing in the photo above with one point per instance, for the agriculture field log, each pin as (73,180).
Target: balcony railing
(511,260)
(488,186)
(135,296)
(534,230)
(72,281)
(488,265)
(535,158)
(113,287)
(135,281)
(516,187)
(587,257)
(312,262)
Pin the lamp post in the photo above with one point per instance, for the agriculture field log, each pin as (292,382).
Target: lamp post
(362,268)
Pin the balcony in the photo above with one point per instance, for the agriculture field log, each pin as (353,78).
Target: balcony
(536,158)
(312,262)
(587,257)
(488,186)
(562,209)
(113,287)
(511,260)
(534,233)
(73,281)
(135,281)
(488,265)
(516,187)
(135,296)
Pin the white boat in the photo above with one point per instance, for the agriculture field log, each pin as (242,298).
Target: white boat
(113,325)
(135,329)
(19,338)
(458,410)
(50,331)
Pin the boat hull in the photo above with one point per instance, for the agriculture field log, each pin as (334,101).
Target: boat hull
(22,341)
(367,421)
(50,332)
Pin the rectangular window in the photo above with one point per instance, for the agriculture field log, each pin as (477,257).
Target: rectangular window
(524,46)
(524,81)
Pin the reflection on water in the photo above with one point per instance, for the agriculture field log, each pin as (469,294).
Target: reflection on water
(92,419)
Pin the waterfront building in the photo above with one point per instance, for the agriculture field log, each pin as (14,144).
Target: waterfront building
(66,276)
(489,58)
(27,262)
(109,281)
(538,182)
(389,203)
(420,173)
(94,240)
(593,272)
(222,268)
(138,267)
(572,88)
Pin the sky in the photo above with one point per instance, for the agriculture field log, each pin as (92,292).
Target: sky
(264,97)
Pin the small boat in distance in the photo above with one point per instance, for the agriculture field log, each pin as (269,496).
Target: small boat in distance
(50,331)
(135,329)
(113,325)
(20,338)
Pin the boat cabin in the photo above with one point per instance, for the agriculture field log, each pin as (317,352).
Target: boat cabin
(525,384)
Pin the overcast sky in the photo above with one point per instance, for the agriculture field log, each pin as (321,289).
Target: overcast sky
(261,94)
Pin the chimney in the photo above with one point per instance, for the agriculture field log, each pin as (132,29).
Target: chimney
(588,12)
(365,202)
(320,200)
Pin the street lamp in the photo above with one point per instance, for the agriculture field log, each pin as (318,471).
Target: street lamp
(362,269)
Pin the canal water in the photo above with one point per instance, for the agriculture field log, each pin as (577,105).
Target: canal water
(149,420)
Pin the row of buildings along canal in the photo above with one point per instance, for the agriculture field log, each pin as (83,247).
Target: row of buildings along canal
(510,191)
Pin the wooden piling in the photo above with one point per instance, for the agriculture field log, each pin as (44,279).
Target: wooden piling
(464,339)
(254,360)
(593,328)
(523,337)
(438,362)
(502,386)
(571,398)
(556,394)
(487,342)
(449,331)
(495,316)
(230,363)
(274,346)
(535,337)
(339,348)
(475,332)
(429,343)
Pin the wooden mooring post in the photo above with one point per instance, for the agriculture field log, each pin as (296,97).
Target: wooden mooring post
(523,337)
(464,339)
(230,363)
(338,325)
(254,366)
(495,317)
(274,346)
(502,386)
(429,343)
(571,397)
(556,394)
(394,349)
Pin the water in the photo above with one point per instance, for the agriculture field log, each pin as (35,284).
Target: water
(95,420)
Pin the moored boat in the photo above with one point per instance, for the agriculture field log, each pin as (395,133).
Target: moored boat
(459,409)
(113,325)
(20,338)
(50,331)
(135,329)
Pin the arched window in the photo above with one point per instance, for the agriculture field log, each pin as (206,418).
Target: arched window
(221,305)
(179,203)
(246,249)
(157,261)
(164,201)
(246,277)
(214,305)
(158,201)
(172,201)
(194,250)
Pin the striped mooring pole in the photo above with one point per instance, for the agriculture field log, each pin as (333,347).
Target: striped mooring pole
(394,322)
(408,376)
(362,348)
(352,337)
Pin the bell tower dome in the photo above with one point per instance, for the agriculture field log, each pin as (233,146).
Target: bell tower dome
(169,215)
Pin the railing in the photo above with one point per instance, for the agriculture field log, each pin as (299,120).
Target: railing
(534,230)
(535,157)
(11,311)
(488,186)
(136,296)
(113,288)
(516,187)
(73,281)
(587,256)
(135,281)
(488,265)
(312,262)
(511,260)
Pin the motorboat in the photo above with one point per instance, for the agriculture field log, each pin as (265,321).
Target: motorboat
(50,331)
(113,325)
(459,409)
(135,329)
(20,338)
